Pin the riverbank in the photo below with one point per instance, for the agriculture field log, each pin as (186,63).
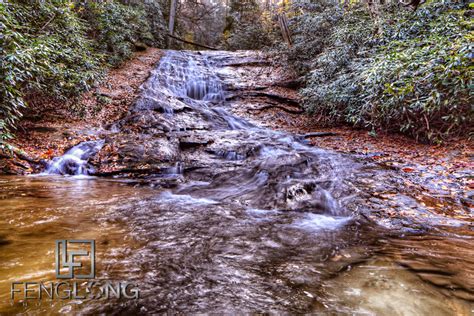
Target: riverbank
(50,127)
(439,177)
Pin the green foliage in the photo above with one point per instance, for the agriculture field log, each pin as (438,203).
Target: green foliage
(420,81)
(342,51)
(158,26)
(247,27)
(247,37)
(58,47)
(44,48)
(117,28)
(310,33)
(415,77)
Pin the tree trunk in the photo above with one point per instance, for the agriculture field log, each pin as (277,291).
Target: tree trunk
(172,20)
(191,43)
(285,31)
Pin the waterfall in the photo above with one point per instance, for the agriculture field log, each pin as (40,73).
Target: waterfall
(184,102)
(75,160)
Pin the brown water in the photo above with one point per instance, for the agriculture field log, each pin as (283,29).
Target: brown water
(190,258)
(36,211)
(241,219)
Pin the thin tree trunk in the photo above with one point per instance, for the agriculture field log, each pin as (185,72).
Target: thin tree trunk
(285,31)
(172,20)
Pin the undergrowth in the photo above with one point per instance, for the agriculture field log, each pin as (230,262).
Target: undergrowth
(61,48)
(414,78)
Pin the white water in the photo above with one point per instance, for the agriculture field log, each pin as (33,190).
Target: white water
(75,160)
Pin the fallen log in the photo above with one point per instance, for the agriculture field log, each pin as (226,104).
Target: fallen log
(191,43)
(266,107)
(319,134)
(261,93)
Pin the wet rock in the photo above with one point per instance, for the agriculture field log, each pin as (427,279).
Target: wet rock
(183,123)
(168,106)
(129,152)
(15,161)
(191,142)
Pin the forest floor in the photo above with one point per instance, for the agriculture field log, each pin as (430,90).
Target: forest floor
(50,127)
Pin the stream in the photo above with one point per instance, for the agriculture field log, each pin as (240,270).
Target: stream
(210,212)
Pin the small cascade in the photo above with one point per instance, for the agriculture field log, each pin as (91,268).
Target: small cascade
(189,77)
(178,169)
(232,121)
(187,89)
(330,204)
(75,160)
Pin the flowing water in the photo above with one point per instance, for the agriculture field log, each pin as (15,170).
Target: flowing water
(74,161)
(241,219)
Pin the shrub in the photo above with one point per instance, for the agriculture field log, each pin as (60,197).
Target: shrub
(59,48)
(342,49)
(420,81)
(118,28)
(43,48)
(415,77)
(247,27)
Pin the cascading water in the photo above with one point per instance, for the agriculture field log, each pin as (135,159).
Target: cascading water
(190,77)
(297,177)
(187,80)
(74,161)
(189,86)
